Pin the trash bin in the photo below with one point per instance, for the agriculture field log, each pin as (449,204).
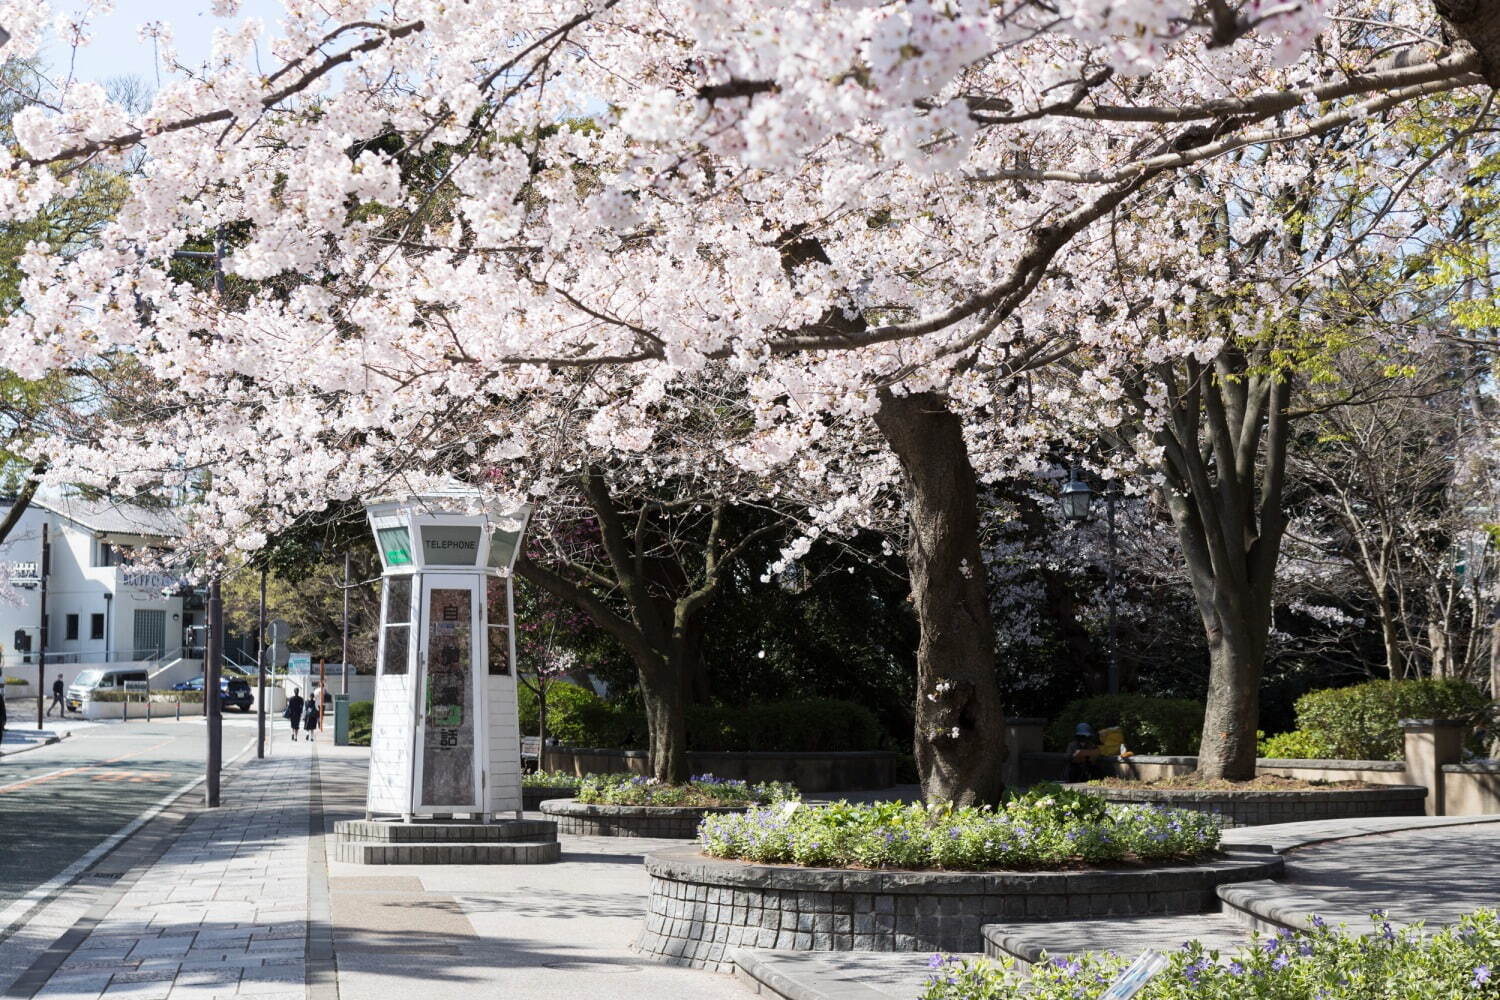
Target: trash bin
(341,720)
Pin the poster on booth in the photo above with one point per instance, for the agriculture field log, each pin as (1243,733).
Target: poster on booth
(299,669)
(448,733)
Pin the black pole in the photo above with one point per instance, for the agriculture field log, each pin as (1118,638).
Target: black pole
(41,653)
(345,653)
(1114,640)
(260,669)
(213,653)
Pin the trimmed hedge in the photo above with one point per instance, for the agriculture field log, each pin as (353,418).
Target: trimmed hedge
(1170,726)
(361,718)
(1363,722)
(580,718)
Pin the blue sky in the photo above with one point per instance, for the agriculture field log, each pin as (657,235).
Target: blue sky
(116,51)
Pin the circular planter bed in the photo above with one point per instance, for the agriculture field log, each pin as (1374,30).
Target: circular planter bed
(1259,808)
(666,822)
(533,796)
(701,909)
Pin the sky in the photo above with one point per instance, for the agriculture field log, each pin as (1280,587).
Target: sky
(117,52)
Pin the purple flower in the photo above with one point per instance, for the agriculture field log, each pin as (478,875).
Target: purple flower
(1280,962)
(1481,975)
(1319,922)
(935,962)
(1236,969)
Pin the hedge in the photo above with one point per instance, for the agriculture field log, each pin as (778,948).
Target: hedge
(1170,726)
(361,718)
(1363,722)
(580,718)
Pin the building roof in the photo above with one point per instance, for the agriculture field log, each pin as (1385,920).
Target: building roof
(113,518)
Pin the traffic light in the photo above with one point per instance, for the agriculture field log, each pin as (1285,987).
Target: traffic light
(23,641)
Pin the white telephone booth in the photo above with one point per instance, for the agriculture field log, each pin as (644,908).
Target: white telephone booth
(445,738)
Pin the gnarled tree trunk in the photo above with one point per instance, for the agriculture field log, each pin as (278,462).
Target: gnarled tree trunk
(960,729)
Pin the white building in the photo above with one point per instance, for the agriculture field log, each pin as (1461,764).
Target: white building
(99,609)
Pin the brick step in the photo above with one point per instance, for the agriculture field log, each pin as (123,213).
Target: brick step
(1268,906)
(364,852)
(1028,942)
(446,831)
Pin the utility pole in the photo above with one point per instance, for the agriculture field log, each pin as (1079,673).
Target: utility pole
(215,651)
(345,654)
(214,706)
(41,655)
(1114,638)
(260,670)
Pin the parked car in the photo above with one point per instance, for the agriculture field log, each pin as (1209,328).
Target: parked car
(88,682)
(234,692)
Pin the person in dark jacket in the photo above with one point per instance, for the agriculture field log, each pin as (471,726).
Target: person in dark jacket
(310,718)
(4,718)
(293,711)
(1082,751)
(57,698)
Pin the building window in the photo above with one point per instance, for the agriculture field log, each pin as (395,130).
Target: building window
(96,626)
(106,554)
(70,624)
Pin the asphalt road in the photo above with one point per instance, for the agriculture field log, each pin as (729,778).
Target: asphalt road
(57,802)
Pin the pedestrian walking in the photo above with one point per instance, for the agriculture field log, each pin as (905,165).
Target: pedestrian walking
(293,711)
(57,699)
(3,716)
(310,718)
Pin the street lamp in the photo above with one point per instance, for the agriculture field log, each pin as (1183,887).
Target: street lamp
(1077,499)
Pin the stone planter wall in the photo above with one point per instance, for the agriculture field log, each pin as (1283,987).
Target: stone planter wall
(701,909)
(1262,808)
(532,798)
(665,822)
(810,772)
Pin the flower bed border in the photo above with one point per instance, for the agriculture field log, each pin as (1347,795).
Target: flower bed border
(701,909)
(532,797)
(1264,807)
(664,822)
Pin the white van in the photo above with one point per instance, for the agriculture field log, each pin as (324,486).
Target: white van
(88,682)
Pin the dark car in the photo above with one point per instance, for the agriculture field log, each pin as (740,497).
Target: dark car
(234,692)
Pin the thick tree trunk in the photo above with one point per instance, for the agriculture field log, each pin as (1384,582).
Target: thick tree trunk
(1476,22)
(662,692)
(960,729)
(1236,654)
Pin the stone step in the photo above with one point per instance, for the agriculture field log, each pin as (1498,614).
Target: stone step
(445,831)
(832,975)
(1028,942)
(1268,906)
(364,852)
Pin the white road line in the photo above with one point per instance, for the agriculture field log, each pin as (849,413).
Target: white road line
(16,912)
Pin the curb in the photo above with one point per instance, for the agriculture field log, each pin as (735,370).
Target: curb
(49,741)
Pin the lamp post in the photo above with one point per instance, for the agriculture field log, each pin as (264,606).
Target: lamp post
(1077,499)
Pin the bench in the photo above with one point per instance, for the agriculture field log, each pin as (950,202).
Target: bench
(531,752)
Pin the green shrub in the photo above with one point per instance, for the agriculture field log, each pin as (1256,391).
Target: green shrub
(16,681)
(1461,961)
(579,718)
(700,790)
(1169,726)
(1031,832)
(361,720)
(808,725)
(1363,722)
(1299,744)
(551,779)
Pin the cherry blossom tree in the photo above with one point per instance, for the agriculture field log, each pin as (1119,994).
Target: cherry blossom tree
(887,214)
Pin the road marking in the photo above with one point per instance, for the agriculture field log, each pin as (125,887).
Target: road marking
(65,772)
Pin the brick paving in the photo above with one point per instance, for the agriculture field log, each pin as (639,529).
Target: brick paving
(222,913)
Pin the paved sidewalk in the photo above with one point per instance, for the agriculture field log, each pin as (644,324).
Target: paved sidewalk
(524,932)
(222,913)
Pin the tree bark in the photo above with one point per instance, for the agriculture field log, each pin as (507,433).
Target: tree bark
(960,728)
(1223,458)
(22,502)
